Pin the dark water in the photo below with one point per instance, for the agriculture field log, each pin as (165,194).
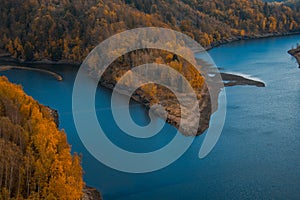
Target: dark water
(257,156)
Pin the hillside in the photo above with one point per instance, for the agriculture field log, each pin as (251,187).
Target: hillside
(70,29)
(35,159)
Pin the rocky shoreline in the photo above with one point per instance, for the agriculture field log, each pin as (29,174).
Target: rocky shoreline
(249,37)
(7,58)
(296,53)
(91,194)
(55,75)
(173,109)
(235,80)
(206,107)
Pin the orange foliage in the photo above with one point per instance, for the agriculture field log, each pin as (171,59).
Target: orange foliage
(37,163)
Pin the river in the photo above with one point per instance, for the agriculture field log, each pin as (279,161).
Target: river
(257,156)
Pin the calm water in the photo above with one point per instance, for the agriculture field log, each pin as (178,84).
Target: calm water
(257,156)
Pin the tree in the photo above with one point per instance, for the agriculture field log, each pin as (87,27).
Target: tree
(28,51)
(272,24)
(18,47)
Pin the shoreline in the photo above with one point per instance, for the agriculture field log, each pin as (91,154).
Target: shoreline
(296,54)
(174,115)
(231,79)
(89,193)
(249,38)
(54,74)
(7,58)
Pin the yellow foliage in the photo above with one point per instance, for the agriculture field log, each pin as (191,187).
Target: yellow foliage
(44,167)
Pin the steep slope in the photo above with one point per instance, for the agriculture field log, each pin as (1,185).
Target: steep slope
(35,159)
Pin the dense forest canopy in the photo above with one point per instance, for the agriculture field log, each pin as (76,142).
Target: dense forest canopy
(70,29)
(35,159)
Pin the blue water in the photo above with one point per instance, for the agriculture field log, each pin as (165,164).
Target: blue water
(257,156)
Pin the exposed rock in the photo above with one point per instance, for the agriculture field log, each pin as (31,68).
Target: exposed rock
(296,54)
(91,194)
(233,80)
(174,112)
(54,114)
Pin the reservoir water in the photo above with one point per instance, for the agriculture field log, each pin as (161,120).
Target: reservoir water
(257,156)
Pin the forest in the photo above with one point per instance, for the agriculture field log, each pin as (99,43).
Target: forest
(36,162)
(70,29)
(35,159)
